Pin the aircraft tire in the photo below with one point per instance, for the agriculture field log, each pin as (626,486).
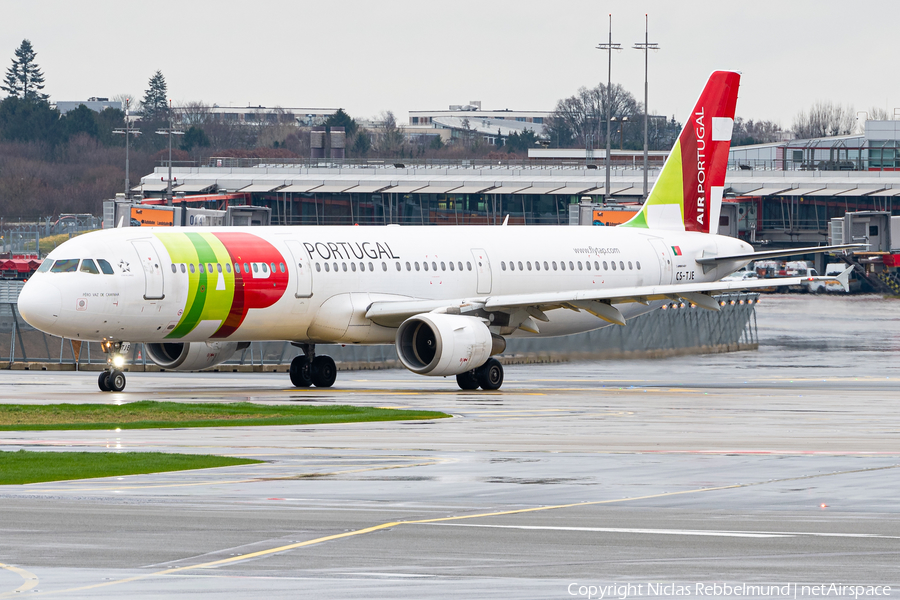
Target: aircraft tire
(468,380)
(490,375)
(301,375)
(115,381)
(323,371)
(101,381)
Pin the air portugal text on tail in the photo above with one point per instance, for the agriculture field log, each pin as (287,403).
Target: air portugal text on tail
(446,297)
(687,195)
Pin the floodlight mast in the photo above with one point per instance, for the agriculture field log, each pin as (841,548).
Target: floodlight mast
(170,131)
(608,47)
(646,46)
(127,132)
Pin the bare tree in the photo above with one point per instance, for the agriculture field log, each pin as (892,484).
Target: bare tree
(824,119)
(388,137)
(274,127)
(194,113)
(755,132)
(581,119)
(876,113)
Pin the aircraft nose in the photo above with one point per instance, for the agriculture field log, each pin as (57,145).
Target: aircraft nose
(39,304)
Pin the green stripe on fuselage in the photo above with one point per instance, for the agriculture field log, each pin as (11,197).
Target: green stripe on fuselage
(204,302)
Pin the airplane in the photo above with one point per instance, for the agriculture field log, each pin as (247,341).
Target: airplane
(446,296)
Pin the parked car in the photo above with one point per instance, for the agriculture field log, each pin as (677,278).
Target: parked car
(741,276)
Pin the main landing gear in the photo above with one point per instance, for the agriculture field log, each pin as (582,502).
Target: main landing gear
(488,376)
(311,370)
(113,379)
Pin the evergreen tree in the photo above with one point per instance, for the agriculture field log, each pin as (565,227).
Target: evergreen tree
(195,137)
(80,120)
(29,121)
(24,78)
(341,119)
(155,103)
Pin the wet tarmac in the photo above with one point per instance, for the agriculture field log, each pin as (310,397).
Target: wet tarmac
(775,467)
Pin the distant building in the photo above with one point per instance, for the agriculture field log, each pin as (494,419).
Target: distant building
(469,119)
(95,104)
(256,115)
(426,117)
(877,149)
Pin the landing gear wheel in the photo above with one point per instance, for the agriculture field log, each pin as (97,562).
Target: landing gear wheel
(490,375)
(301,375)
(323,372)
(467,380)
(101,381)
(115,381)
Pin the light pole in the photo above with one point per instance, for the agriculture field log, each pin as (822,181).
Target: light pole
(646,46)
(170,131)
(127,132)
(608,47)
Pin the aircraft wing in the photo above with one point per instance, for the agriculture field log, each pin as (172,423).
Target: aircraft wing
(712,260)
(598,302)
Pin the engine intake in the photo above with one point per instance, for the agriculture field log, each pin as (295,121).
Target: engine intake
(192,356)
(441,344)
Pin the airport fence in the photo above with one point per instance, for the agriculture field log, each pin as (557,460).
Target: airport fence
(677,329)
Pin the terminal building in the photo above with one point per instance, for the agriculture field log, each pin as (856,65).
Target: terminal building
(777,195)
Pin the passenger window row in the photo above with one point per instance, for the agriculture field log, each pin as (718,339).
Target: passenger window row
(562,265)
(410,266)
(70,265)
(238,267)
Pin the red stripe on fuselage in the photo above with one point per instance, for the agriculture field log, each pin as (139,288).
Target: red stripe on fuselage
(251,292)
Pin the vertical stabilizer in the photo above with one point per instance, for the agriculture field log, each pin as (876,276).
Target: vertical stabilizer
(687,196)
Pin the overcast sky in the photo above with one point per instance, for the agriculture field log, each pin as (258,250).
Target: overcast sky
(370,56)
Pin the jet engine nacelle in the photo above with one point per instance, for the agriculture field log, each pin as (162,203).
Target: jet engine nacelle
(192,356)
(441,344)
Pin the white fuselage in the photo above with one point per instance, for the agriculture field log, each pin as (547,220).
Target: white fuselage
(324,278)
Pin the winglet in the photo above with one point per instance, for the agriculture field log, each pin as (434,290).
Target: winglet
(505,220)
(844,279)
(687,195)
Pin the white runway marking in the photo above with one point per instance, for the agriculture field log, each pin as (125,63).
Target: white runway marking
(701,532)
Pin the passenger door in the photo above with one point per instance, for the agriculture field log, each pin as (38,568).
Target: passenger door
(664,256)
(483,270)
(303,267)
(153,275)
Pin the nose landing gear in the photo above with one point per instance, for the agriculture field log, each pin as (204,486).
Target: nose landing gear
(113,379)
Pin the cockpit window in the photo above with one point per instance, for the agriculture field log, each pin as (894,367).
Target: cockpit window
(45,266)
(105,266)
(88,266)
(66,265)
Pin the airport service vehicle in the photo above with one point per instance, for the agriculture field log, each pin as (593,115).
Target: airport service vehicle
(447,297)
(741,276)
(812,283)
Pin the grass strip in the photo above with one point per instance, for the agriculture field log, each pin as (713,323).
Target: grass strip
(34,467)
(147,414)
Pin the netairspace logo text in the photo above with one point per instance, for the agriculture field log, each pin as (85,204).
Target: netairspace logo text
(622,591)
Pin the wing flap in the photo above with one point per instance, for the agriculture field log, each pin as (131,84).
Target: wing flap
(598,302)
